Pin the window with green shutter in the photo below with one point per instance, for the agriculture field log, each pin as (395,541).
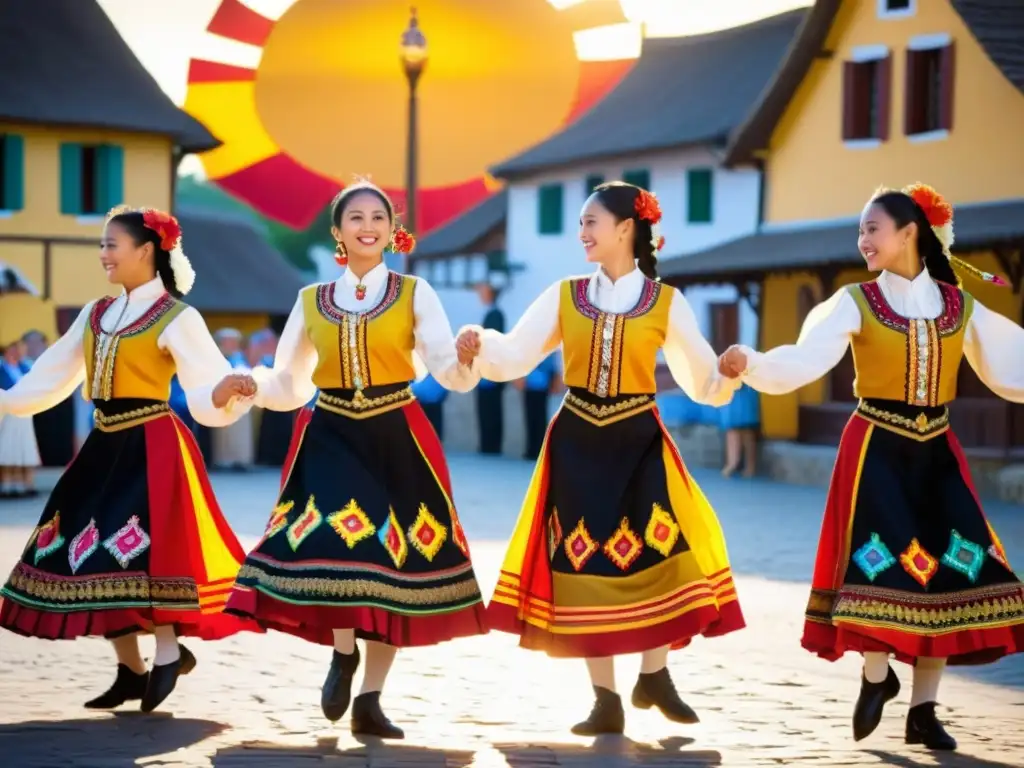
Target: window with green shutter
(591,182)
(91,178)
(12,172)
(699,192)
(549,213)
(639,176)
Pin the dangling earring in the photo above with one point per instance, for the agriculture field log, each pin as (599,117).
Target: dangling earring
(341,255)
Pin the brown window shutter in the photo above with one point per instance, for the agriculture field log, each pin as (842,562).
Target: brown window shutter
(910,95)
(849,100)
(948,70)
(883,87)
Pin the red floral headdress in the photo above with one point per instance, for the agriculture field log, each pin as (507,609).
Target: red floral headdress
(402,241)
(165,225)
(648,209)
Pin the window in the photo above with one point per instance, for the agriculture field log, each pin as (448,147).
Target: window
(896,9)
(592,181)
(866,97)
(91,178)
(929,90)
(639,176)
(699,193)
(12,172)
(549,214)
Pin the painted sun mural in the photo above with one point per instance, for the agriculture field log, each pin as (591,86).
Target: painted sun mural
(326,102)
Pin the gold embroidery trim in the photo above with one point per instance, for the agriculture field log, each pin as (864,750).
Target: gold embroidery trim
(129,419)
(934,362)
(103,588)
(607,414)
(615,364)
(980,610)
(362,407)
(346,358)
(346,588)
(920,428)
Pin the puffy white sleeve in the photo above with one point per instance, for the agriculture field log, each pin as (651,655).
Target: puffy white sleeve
(435,344)
(994,348)
(691,360)
(823,340)
(201,367)
(54,375)
(289,385)
(512,355)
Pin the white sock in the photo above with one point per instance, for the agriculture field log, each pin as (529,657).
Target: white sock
(927,676)
(345,641)
(379,658)
(654,660)
(167,649)
(876,666)
(126,648)
(602,672)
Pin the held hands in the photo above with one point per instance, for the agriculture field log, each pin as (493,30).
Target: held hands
(233,385)
(732,363)
(467,346)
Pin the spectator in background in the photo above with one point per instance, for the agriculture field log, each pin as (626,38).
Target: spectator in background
(275,429)
(19,453)
(489,394)
(537,388)
(740,420)
(233,446)
(35,344)
(432,396)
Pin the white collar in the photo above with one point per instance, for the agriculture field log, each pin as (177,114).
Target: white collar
(605,283)
(922,282)
(150,291)
(372,280)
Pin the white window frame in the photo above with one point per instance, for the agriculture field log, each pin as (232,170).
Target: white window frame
(901,13)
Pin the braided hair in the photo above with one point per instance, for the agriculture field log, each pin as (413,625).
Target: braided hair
(619,199)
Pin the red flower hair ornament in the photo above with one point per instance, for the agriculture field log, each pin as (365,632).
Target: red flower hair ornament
(402,241)
(165,225)
(648,209)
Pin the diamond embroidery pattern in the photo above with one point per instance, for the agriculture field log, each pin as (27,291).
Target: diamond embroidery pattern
(554,532)
(624,546)
(459,535)
(352,524)
(874,557)
(964,556)
(662,531)
(48,539)
(427,534)
(916,561)
(304,524)
(579,546)
(278,519)
(83,545)
(393,539)
(128,543)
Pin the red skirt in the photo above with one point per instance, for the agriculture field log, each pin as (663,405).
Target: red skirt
(131,537)
(907,563)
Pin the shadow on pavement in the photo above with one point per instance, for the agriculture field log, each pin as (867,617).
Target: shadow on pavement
(619,750)
(372,752)
(940,759)
(122,739)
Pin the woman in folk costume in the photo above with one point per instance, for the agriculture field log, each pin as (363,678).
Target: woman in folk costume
(616,549)
(19,451)
(907,564)
(131,538)
(364,540)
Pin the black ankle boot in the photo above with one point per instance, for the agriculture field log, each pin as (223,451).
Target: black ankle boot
(656,690)
(923,727)
(867,713)
(128,686)
(337,691)
(607,716)
(368,719)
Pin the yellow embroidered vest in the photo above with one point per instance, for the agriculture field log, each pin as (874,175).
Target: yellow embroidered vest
(130,364)
(360,350)
(610,354)
(909,360)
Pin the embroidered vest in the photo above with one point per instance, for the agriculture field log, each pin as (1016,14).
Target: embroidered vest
(609,354)
(909,360)
(359,350)
(130,364)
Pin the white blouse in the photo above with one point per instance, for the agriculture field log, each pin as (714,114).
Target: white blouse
(289,385)
(200,365)
(993,345)
(691,360)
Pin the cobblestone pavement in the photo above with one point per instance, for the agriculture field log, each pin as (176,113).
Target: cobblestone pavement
(254,700)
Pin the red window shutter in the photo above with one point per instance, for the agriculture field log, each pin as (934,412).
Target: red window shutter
(883,87)
(911,97)
(849,100)
(948,69)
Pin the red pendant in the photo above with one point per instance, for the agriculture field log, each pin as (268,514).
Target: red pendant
(360,292)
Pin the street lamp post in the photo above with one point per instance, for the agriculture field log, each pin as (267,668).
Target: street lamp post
(414,61)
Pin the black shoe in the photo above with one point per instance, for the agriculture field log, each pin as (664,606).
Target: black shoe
(867,713)
(128,686)
(924,728)
(656,690)
(368,719)
(188,661)
(337,691)
(607,716)
(164,677)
